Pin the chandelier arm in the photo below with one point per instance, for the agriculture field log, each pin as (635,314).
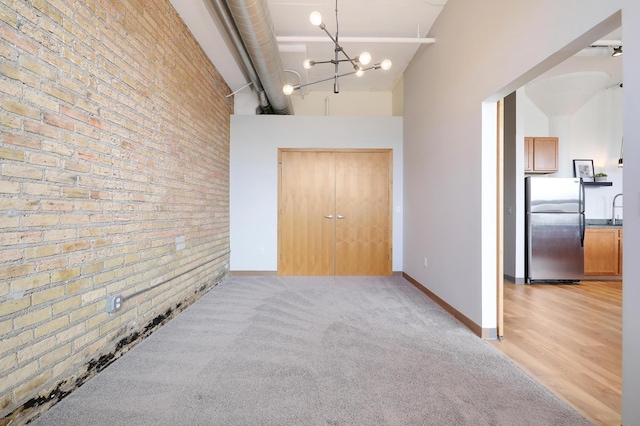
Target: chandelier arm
(300,86)
(338,47)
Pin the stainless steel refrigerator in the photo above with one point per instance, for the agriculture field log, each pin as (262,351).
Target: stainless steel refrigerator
(554,229)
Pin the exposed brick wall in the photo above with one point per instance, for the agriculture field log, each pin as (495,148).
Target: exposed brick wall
(114,145)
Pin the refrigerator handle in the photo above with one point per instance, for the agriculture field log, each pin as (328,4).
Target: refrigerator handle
(583,227)
(581,195)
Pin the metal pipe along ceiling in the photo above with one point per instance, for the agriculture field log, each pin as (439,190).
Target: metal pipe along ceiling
(227,21)
(253,21)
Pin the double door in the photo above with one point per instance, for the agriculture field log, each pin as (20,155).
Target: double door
(334,212)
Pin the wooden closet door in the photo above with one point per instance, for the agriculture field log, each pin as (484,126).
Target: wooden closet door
(307,236)
(363,217)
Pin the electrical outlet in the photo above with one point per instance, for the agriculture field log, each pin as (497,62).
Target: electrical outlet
(425,261)
(114,303)
(261,250)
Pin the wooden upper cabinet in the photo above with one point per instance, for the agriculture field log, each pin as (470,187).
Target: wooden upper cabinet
(540,155)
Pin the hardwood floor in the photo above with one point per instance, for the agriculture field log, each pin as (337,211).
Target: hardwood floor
(569,338)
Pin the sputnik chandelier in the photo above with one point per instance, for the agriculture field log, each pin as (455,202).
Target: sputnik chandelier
(359,62)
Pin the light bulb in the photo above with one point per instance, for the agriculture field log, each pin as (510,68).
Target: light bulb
(385,65)
(364,58)
(315,18)
(359,72)
(308,63)
(287,89)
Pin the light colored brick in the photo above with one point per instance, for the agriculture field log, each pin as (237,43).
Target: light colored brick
(20,75)
(82,313)
(34,351)
(51,326)
(8,362)
(41,220)
(87,338)
(92,268)
(94,295)
(37,128)
(40,189)
(21,140)
(41,100)
(104,277)
(75,246)
(59,235)
(76,193)
(49,264)
(14,170)
(30,283)
(11,154)
(58,94)
(11,238)
(38,68)
(9,344)
(65,275)
(55,355)
(110,326)
(11,88)
(10,121)
(58,121)
(70,333)
(41,251)
(14,271)
(33,317)
(67,305)
(96,320)
(32,386)
(43,160)
(48,295)
(6,326)
(11,255)
(59,149)
(56,205)
(20,108)
(10,188)
(18,376)
(19,204)
(79,285)
(74,219)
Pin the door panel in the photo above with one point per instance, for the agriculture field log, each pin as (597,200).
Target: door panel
(362,199)
(317,187)
(307,238)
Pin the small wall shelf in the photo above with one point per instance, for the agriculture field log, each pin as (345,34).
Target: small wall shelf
(598,183)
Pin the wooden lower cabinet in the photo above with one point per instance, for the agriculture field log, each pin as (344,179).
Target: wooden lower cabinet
(603,251)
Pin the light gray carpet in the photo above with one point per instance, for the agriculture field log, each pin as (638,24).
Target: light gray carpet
(312,351)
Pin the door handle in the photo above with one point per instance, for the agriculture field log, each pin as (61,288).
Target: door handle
(329,216)
(340,216)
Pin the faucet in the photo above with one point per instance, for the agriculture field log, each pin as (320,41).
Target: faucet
(613,209)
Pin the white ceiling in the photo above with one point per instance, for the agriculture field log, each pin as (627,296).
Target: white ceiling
(356,18)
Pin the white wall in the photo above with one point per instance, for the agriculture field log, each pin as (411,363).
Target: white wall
(449,158)
(594,132)
(359,103)
(631,288)
(254,175)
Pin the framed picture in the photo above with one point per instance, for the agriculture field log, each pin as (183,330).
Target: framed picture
(583,169)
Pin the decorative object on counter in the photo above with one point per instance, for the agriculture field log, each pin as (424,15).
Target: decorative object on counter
(600,177)
(583,169)
(621,151)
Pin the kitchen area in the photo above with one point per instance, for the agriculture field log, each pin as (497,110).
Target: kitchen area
(569,126)
(565,328)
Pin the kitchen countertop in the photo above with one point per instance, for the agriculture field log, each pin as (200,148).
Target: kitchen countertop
(603,223)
